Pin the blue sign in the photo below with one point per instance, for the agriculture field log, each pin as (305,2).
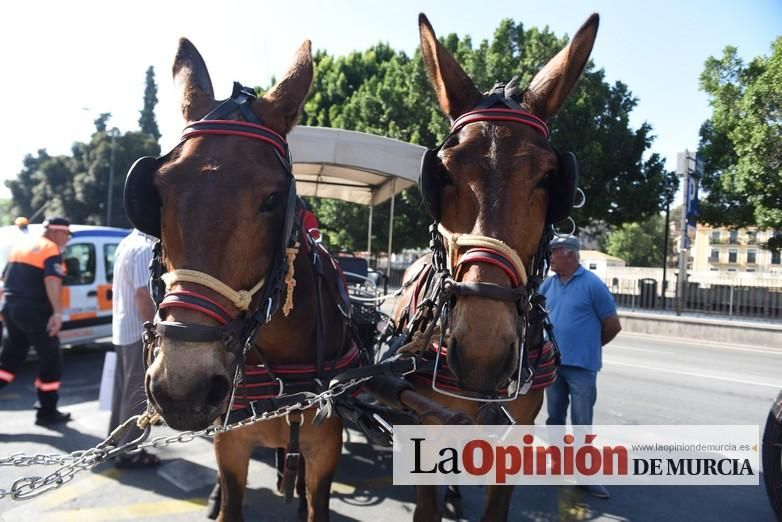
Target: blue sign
(692,200)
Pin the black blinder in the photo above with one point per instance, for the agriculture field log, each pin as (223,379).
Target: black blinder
(562,189)
(431,181)
(142,201)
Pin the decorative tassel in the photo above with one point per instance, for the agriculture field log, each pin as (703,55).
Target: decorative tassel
(290,280)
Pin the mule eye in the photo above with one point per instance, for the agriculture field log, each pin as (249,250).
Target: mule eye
(271,202)
(545,179)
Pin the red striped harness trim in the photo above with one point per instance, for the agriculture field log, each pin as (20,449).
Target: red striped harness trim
(492,257)
(545,370)
(198,302)
(47,386)
(512,115)
(258,379)
(302,369)
(254,131)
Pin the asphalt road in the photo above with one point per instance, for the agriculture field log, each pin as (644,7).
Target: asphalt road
(645,380)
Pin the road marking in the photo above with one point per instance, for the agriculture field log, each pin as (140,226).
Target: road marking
(66,493)
(638,349)
(704,344)
(140,510)
(694,374)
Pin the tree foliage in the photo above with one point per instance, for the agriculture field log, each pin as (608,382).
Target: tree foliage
(741,144)
(147,122)
(5,212)
(385,92)
(77,185)
(639,244)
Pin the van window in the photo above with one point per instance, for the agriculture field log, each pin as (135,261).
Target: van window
(79,261)
(109,253)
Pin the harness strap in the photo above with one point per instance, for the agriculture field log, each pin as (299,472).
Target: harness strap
(456,240)
(488,290)
(290,469)
(196,333)
(320,328)
(241,99)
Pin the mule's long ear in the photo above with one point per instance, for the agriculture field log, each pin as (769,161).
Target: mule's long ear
(288,95)
(550,87)
(456,93)
(192,81)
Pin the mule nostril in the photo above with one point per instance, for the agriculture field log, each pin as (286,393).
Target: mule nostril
(217,391)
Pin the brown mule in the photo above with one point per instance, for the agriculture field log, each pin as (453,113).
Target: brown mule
(226,195)
(493,178)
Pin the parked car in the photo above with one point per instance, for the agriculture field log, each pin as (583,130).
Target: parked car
(89,261)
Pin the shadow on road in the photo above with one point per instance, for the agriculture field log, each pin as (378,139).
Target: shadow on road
(62,437)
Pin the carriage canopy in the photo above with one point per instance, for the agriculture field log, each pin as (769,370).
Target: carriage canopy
(352,166)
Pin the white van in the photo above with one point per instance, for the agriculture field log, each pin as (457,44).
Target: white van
(86,297)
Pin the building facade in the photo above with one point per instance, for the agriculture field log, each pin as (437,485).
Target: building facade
(721,249)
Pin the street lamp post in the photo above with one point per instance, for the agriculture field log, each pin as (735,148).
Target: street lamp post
(690,168)
(114,133)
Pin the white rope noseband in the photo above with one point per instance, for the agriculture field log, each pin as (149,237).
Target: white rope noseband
(241,299)
(456,240)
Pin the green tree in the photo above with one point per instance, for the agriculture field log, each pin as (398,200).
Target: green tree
(147,122)
(101,121)
(91,173)
(639,244)
(741,144)
(76,186)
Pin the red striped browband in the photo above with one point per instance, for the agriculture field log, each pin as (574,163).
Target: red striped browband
(511,115)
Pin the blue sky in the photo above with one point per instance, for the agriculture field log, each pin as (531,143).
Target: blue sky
(65,62)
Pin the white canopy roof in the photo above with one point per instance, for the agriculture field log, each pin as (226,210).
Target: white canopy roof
(352,166)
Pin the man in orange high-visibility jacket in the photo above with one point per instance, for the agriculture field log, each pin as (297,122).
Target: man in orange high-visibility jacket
(33,316)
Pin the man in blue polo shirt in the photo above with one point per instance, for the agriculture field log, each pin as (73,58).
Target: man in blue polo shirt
(583,313)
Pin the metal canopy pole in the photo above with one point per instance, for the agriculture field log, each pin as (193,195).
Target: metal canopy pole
(369,231)
(391,227)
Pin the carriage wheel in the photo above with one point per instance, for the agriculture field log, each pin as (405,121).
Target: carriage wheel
(772,456)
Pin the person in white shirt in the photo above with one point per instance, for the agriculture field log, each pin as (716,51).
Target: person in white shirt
(132,306)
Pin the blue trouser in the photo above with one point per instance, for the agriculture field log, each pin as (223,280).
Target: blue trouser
(575,386)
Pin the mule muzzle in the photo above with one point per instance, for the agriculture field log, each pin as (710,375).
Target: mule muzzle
(195,411)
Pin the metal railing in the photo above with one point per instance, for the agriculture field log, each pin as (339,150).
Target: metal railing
(707,293)
(718,297)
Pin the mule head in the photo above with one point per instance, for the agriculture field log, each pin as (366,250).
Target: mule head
(495,179)
(224,200)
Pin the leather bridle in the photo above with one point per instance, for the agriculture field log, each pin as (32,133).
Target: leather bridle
(254,306)
(524,281)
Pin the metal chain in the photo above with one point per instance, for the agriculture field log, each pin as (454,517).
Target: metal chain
(77,461)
